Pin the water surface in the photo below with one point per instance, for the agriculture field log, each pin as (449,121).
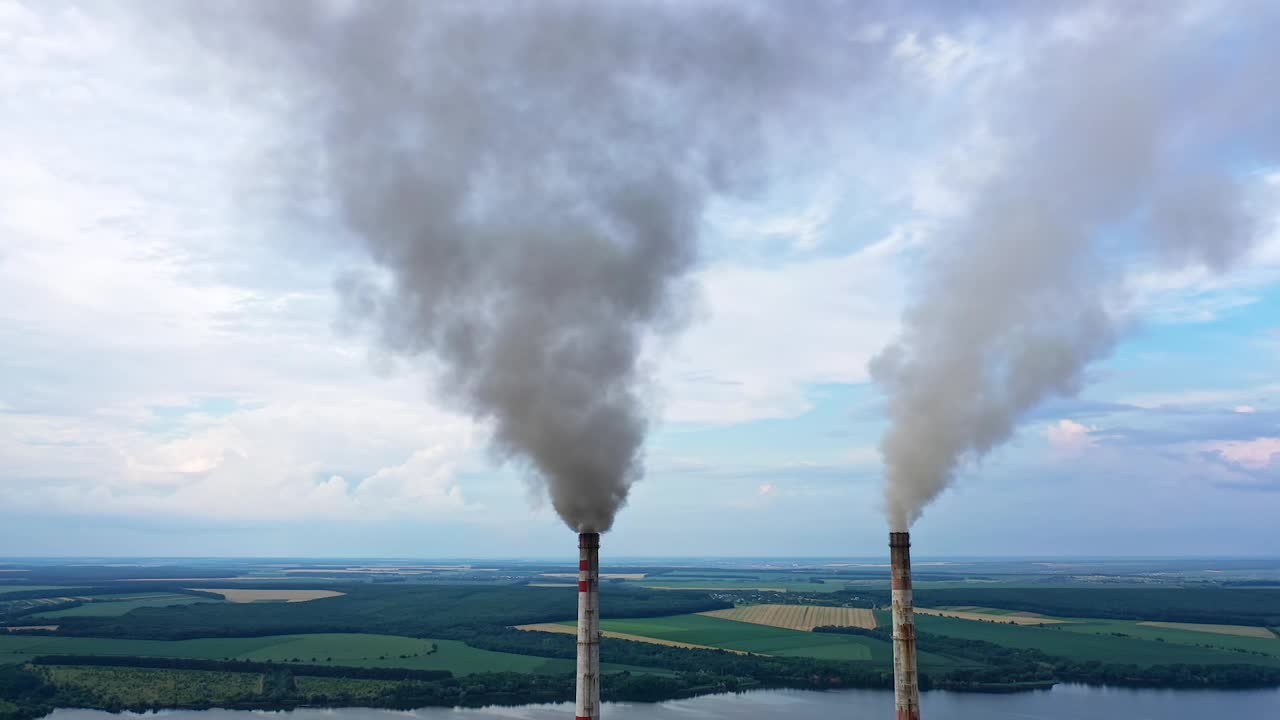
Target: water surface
(1063,702)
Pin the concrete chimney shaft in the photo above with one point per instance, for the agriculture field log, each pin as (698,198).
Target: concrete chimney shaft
(906,692)
(588,705)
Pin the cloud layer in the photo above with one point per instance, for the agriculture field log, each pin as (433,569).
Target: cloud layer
(168,355)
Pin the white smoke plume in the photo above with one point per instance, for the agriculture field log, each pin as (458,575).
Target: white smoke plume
(531,176)
(1129,132)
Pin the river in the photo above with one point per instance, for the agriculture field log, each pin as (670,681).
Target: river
(1063,702)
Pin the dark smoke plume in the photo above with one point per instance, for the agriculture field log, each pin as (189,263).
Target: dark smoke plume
(1124,143)
(530,179)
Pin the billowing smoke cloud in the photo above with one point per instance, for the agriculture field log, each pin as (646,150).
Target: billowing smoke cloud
(530,180)
(1128,141)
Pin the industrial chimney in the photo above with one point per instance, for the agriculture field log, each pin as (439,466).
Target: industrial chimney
(906,693)
(588,707)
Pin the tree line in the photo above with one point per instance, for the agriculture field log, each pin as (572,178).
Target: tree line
(1018,666)
(242,666)
(412,611)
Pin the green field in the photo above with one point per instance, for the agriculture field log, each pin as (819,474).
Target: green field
(1080,644)
(983,610)
(1227,606)
(386,651)
(1132,629)
(356,650)
(763,639)
(718,632)
(145,686)
(20,648)
(1177,635)
(125,604)
(5,589)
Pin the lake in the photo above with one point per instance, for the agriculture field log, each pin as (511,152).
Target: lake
(1063,702)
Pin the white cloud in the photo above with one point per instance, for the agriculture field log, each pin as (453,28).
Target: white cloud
(803,230)
(1069,437)
(325,456)
(1235,398)
(765,496)
(942,59)
(131,281)
(772,332)
(1255,454)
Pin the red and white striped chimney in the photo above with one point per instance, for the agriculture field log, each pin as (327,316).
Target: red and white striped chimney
(906,692)
(588,706)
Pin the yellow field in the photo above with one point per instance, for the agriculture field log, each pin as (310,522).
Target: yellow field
(798,617)
(237,595)
(1015,618)
(1241,630)
(571,630)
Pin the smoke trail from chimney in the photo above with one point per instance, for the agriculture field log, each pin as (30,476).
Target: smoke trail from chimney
(1128,140)
(529,180)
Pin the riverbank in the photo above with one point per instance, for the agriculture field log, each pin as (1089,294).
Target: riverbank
(33,691)
(120,685)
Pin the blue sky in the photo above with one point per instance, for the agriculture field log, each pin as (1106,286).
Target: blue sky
(173,380)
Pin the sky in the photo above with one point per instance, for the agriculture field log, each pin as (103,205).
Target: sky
(176,378)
